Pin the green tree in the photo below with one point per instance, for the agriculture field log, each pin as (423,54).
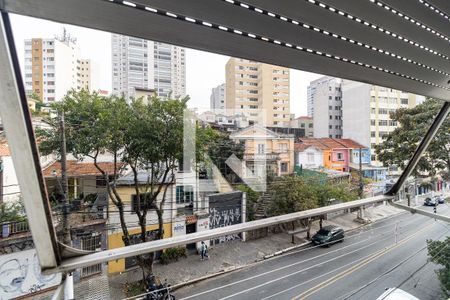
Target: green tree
(439,253)
(399,145)
(12,212)
(146,136)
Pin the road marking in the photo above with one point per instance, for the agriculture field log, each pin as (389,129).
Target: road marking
(294,273)
(352,269)
(315,278)
(300,262)
(278,269)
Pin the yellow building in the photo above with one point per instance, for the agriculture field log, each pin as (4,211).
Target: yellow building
(128,196)
(260,91)
(263,146)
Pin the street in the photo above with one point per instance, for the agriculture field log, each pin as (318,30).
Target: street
(384,254)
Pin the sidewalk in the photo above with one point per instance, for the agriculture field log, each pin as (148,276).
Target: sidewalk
(237,254)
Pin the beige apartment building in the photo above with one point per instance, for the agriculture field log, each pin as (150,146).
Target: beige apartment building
(303,122)
(260,91)
(366,112)
(53,67)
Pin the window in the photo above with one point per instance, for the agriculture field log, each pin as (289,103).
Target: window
(284,167)
(340,156)
(134,202)
(310,157)
(331,117)
(100,182)
(261,148)
(383,122)
(372,122)
(185,194)
(404,101)
(283,148)
(372,134)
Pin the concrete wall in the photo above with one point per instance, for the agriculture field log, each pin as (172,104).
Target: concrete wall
(20,275)
(310,158)
(356,111)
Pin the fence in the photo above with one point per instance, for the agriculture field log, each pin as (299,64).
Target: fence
(91,243)
(7,229)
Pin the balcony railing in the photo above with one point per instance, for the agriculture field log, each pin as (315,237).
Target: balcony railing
(11,228)
(264,156)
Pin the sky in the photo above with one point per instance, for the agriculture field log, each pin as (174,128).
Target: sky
(203,70)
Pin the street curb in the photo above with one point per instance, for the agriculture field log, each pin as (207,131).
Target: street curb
(209,276)
(285,250)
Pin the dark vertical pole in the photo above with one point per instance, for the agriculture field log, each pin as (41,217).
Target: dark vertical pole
(64,183)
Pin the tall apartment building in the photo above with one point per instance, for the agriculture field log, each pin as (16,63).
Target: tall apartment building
(138,63)
(53,67)
(258,90)
(366,112)
(217,99)
(325,107)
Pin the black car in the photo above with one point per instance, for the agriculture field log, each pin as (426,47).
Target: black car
(328,235)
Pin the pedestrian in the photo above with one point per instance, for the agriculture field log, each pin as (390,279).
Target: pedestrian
(204,251)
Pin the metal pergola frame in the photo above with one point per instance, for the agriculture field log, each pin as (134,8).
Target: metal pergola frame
(264,30)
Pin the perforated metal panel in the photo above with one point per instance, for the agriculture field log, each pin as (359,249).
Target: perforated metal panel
(403,44)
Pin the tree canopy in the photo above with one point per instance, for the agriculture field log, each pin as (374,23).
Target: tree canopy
(399,145)
(291,194)
(145,135)
(439,253)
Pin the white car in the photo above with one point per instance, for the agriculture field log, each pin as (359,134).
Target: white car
(396,294)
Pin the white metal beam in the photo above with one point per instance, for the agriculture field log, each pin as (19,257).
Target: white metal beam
(138,249)
(423,212)
(19,133)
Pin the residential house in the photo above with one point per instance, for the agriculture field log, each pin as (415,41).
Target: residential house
(126,190)
(336,154)
(266,147)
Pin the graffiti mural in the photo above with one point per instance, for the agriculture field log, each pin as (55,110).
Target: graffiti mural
(20,274)
(225,210)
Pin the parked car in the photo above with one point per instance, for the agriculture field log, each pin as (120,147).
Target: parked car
(328,235)
(440,199)
(430,201)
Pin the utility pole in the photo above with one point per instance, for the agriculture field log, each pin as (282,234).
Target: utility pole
(361,184)
(64,183)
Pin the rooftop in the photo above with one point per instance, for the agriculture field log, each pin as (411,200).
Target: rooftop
(327,144)
(78,168)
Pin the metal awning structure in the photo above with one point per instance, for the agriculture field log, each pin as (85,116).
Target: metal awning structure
(401,44)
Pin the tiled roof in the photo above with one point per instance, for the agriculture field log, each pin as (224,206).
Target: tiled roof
(78,168)
(304,118)
(326,144)
(4,149)
(351,144)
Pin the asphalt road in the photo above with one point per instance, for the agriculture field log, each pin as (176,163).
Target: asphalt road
(388,253)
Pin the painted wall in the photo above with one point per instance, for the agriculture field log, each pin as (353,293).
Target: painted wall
(20,275)
(225,210)
(365,156)
(115,241)
(310,158)
(126,193)
(332,161)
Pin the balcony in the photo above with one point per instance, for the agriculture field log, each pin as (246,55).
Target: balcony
(262,156)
